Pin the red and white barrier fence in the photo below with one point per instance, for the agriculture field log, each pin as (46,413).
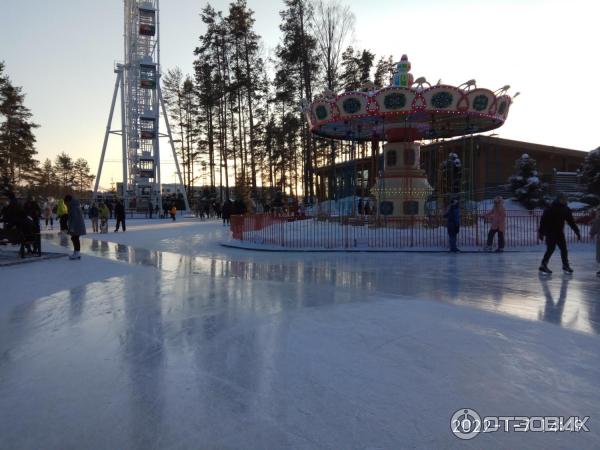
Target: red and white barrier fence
(370,232)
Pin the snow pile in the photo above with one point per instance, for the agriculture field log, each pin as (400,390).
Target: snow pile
(342,207)
(577,206)
(510,205)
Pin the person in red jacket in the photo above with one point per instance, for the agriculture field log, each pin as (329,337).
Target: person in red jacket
(497,217)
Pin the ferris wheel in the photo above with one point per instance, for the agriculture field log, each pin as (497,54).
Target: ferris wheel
(138,80)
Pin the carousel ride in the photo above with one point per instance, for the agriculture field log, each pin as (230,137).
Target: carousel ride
(401,115)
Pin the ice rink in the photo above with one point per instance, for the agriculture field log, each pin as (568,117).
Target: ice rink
(161,338)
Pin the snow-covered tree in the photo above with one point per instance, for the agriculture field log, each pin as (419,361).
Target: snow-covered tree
(451,174)
(526,185)
(591,171)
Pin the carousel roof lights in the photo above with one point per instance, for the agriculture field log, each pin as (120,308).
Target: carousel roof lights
(414,108)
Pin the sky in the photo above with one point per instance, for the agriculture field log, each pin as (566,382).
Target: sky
(62,53)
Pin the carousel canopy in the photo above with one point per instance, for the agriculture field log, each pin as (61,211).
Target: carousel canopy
(407,110)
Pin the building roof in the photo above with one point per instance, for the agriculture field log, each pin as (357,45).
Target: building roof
(525,146)
(482,139)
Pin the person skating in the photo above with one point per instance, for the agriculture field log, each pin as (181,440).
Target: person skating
(217,209)
(48,215)
(453,224)
(150,210)
(76,225)
(62,212)
(552,227)
(104,214)
(33,212)
(120,215)
(226,212)
(595,232)
(173,211)
(497,216)
(93,214)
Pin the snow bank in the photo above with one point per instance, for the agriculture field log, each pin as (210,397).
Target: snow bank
(342,207)
(576,206)
(509,204)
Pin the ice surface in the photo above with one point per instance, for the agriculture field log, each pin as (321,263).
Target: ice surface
(161,338)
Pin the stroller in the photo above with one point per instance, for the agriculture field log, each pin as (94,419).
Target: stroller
(25,234)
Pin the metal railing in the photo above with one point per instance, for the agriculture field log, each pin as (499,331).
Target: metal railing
(369,232)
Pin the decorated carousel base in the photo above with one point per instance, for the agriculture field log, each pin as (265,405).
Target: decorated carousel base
(404,196)
(402,189)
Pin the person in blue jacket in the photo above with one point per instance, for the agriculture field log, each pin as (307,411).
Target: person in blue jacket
(453,224)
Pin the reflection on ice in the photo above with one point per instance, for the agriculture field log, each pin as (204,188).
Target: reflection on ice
(238,350)
(489,282)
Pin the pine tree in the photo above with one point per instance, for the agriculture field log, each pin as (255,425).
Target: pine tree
(365,65)
(350,76)
(207,101)
(211,72)
(82,176)
(190,109)
(63,167)
(247,64)
(383,72)
(356,68)
(47,180)
(297,51)
(17,141)
(525,184)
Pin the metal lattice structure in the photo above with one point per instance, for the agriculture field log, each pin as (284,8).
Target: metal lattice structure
(142,99)
(138,79)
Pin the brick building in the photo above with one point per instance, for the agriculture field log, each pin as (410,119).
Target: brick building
(488,162)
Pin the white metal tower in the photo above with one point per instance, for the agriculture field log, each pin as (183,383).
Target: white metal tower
(138,79)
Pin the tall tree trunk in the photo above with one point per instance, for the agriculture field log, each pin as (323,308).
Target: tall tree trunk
(249,90)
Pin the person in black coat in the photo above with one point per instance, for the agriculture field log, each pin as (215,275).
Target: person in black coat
(552,227)
(120,215)
(33,213)
(239,207)
(12,214)
(453,224)
(226,211)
